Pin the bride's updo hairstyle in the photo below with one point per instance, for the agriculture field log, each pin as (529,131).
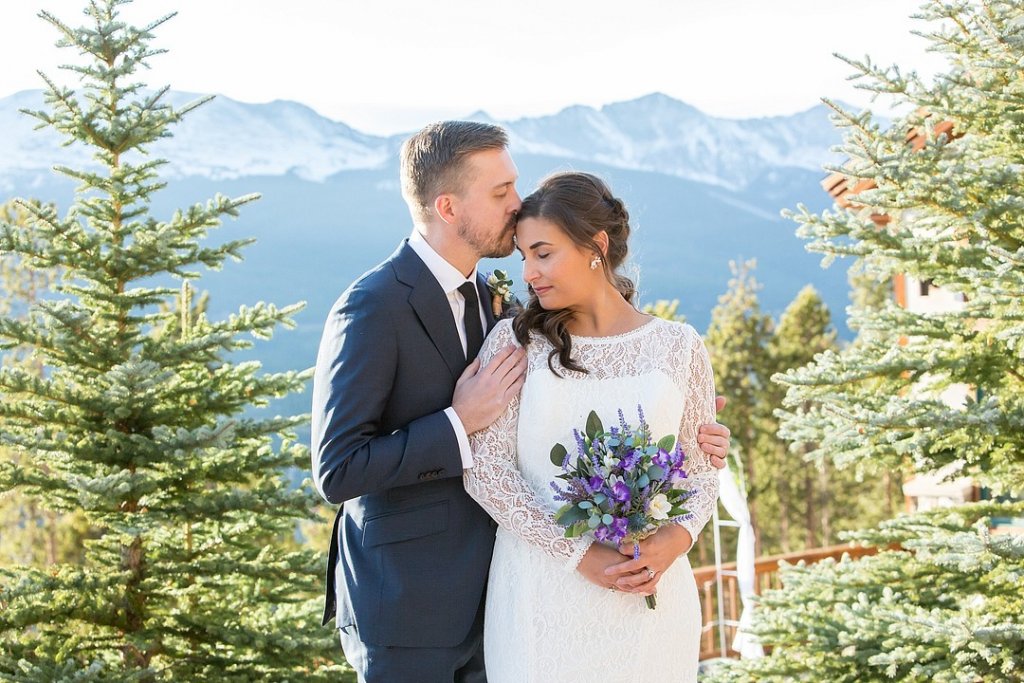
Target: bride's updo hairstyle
(582,206)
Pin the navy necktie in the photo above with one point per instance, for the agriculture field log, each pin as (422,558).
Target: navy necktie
(471,320)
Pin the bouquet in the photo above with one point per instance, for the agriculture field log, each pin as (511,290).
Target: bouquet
(620,484)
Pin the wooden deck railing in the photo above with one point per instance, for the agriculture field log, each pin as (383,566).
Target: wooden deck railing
(766,576)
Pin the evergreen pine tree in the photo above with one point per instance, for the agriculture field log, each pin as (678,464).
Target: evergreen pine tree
(737,342)
(948,605)
(29,533)
(141,421)
(804,330)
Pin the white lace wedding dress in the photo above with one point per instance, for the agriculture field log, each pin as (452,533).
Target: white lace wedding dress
(545,623)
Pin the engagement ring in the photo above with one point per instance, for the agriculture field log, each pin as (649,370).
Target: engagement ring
(650,573)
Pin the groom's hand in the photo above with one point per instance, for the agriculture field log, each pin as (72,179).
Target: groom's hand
(714,438)
(482,394)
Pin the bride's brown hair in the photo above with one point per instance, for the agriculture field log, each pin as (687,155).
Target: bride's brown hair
(581,205)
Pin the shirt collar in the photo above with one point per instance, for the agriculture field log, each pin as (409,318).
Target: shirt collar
(447,275)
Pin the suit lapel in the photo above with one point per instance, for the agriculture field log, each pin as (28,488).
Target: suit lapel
(431,306)
(486,300)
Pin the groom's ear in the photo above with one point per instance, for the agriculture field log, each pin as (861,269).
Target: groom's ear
(444,208)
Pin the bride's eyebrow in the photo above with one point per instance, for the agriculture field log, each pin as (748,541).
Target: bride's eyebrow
(539,244)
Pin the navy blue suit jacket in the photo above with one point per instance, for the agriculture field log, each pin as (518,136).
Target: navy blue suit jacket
(413,548)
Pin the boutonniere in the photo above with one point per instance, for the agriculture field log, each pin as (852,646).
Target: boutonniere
(500,286)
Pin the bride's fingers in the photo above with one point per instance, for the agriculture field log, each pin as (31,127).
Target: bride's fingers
(627,567)
(639,583)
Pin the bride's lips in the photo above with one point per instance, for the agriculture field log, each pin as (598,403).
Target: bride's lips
(541,290)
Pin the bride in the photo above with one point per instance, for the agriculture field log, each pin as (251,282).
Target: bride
(564,610)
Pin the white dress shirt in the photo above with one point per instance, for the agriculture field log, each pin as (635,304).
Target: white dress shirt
(450,279)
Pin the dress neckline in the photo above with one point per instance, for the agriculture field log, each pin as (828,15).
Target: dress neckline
(615,337)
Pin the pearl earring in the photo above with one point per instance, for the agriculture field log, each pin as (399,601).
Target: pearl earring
(595,263)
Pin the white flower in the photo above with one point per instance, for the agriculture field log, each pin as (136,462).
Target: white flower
(659,507)
(610,461)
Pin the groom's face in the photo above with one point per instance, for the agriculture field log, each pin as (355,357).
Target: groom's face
(488,203)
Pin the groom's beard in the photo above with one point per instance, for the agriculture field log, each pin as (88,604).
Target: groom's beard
(497,246)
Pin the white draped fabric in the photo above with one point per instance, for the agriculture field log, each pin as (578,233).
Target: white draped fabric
(736,505)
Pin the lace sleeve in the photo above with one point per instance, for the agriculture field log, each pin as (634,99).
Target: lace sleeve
(699,409)
(496,483)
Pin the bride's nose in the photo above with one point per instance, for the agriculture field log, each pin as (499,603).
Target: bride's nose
(529,273)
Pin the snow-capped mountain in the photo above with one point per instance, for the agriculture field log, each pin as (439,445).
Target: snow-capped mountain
(230,139)
(661,134)
(222,139)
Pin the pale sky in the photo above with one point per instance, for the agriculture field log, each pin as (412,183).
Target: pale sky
(388,66)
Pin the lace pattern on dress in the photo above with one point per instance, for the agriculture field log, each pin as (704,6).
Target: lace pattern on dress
(496,483)
(671,348)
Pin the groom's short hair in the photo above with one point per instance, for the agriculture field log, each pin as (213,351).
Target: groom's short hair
(433,160)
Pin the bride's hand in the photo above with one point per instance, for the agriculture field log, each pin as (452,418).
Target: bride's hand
(657,553)
(595,561)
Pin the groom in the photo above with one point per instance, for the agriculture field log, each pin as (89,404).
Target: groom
(396,391)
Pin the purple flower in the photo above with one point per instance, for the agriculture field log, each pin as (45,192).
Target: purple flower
(580,446)
(676,475)
(663,459)
(621,492)
(612,533)
(631,460)
(595,484)
(619,529)
(643,420)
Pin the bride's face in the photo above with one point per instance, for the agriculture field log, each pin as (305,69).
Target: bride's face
(555,267)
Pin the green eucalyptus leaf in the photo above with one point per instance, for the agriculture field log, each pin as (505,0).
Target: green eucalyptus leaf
(558,453)
(594,426)
(570,514)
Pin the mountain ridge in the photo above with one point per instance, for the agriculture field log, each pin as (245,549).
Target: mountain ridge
(227,138)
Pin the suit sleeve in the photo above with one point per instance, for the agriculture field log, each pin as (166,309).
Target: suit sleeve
(354,378)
